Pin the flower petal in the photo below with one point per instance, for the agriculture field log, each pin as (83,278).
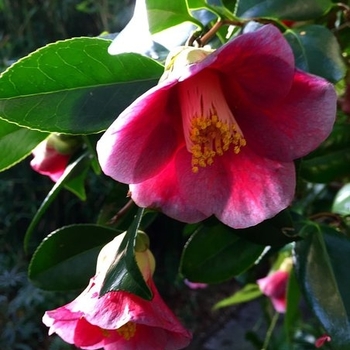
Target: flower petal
(256,67)
(162,191)
(145,130)
(259,189)
(295,127)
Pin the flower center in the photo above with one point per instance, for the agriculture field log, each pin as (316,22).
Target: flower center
(210,128)
(127,331)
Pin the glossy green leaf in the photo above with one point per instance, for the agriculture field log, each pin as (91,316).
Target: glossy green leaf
(66,259)
(165,14)
(322,267)
(326,168)
(341,204)
(16,143)
(293,308)
(214,254)
(317,51)
(73,170)
(124,274)
(249,292)
(298,10)
(74,86)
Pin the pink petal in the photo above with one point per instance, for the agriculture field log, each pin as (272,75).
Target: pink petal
(162,191)
(142,139)
(259,189)
(322,340)
(256,67)
(295,127)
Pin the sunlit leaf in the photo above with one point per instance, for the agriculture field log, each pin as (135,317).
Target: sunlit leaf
(74,86)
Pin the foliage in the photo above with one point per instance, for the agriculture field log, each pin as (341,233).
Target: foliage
(73,86)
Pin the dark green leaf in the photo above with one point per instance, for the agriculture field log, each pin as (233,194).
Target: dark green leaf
(165,14)
(66,259)
(16,143)
(326,168)
(298,10)
(215,254)
(73,170)
(322,267)
(124,273)
(276,231)
(74,86)
(249,292)
(317,51)
(293,308)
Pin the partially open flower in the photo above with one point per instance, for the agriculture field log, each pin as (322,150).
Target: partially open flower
(275,284)
(219,134)
(52,155)
(118,320)
(322,340)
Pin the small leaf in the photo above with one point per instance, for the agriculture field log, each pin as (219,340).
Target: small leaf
(16,143)
(341,204)
(66,258)
(298,10)
(124,274)
(249,292)
(214,254)
(73,169)
(74,86)
(317,51)
(322,261)
(163,15)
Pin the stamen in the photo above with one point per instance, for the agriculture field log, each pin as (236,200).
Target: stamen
(127,331)
(209,126)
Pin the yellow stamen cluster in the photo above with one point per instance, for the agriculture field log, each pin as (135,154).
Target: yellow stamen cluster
(211,137)
(127,331)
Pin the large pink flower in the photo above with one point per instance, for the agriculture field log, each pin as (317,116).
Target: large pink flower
(274,286)
(219,136)
(118,320)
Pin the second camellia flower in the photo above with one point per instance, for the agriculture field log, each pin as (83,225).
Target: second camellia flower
(219,133)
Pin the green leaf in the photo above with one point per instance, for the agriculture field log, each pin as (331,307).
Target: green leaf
(322,268)
(326,168)
(73,170)
(317,51)
(66,258)
(341,204)
(214,254)
(249,292)
(298,10)
(293,309)
(16,143)
(74,86)
(165,14)
(124,274)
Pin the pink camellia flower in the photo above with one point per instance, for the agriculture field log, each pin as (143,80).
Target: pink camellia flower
(118,320)
(219,133)
(274,286)
(322,340)
(48,161)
